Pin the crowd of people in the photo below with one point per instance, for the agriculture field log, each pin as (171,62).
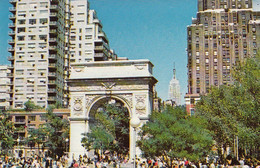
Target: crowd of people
(114,161)
(33,162)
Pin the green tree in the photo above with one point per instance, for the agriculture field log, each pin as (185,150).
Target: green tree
(7,133)
(36,136)
(57,130)
(233,111)
(30,106)
(172,134)
(110,130)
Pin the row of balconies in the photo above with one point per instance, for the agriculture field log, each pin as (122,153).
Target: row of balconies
(52,47)
(53,14)
(11,33)
(12,9)
(99,55)
(12,1)
(11,17)
(10,49)
(11,41)
(11,25)
(53,31)
(52,39)
(52,56)
(52,74)
(10,58)
(54,7)
(52,65)
(53,23)
(51,90)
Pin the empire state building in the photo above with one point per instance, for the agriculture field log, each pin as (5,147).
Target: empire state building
(174,90)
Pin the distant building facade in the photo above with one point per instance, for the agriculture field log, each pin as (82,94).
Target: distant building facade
(28,121)
(174,90)
(4,87)
(224,32)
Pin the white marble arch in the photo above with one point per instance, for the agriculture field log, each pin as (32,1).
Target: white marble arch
(130,82)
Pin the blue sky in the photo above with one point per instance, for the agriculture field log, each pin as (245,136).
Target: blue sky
(139,29)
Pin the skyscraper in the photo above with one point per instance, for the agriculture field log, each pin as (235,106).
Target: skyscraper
(224,32)
(174,90)
(46,35)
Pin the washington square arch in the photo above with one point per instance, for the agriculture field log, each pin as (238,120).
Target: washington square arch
(129,82)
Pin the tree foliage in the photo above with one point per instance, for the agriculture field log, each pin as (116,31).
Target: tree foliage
(7,133)
(36,137)
(30,106)
(110,130)
(57,130)
(172,134)
(233,110)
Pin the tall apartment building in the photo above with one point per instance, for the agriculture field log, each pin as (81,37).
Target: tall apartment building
(4,87)
(46,35)
(225,31)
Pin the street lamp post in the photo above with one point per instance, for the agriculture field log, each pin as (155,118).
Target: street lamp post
(135,123)
(67,140)
(18,147)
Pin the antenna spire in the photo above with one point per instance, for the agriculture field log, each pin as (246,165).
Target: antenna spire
(174,71)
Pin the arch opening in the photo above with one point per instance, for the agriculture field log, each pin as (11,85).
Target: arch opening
(109,127)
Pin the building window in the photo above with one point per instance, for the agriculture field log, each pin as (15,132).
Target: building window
(21,21)
(43,118)
(32,37)
(21,29)
(198,90)
(244,44)
(216,82)
(20,38)
(44,20)
(192,111)
(207,82)
(32,21)
(31,118)
(88,37)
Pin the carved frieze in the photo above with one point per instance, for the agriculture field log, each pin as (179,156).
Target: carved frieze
(108,86)
(78,106)
(140,67)
(89,100)
(140,106)
(128,98)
